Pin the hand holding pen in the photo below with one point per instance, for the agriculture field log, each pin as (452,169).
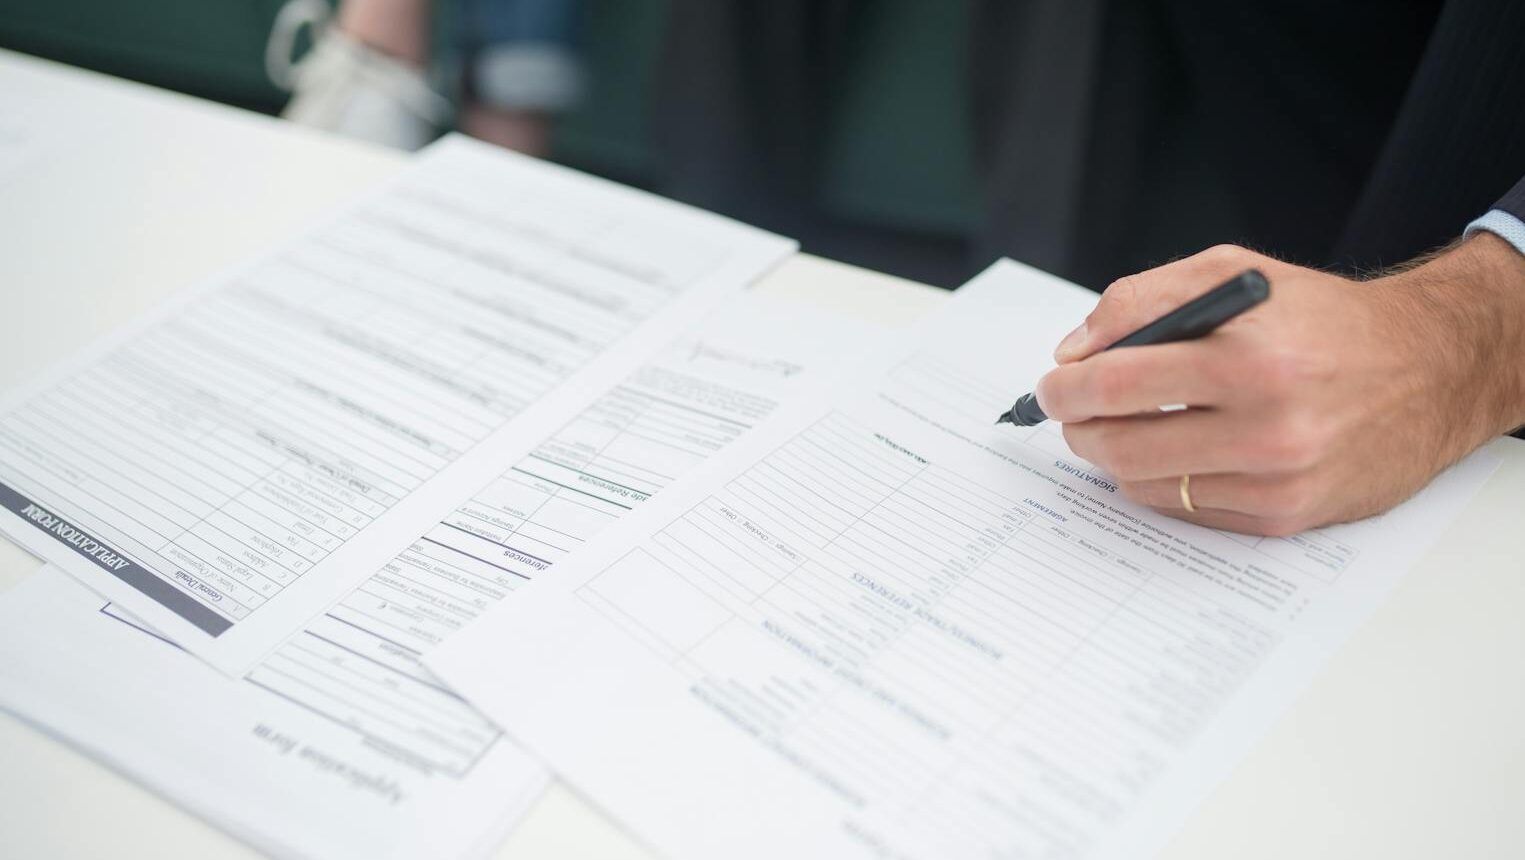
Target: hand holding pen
(1335,400)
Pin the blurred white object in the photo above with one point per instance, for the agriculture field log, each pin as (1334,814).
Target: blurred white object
(527,77)
(344,86)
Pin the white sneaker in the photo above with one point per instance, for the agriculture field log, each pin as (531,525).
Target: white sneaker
(350,88)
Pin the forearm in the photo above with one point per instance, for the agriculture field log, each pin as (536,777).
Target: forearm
(1471,301)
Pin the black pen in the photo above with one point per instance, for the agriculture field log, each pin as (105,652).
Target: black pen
(1197,318)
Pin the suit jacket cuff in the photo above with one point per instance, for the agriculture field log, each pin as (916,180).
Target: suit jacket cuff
(1513,202)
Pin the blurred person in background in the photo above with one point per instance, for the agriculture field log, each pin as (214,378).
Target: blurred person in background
(1108,136)
(511,65)
(1373,151)
(1378,146)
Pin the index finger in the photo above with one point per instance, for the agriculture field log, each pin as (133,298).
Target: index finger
(1134,379)
(1133,301)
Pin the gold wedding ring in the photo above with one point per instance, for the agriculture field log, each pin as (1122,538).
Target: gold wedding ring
(1186,495)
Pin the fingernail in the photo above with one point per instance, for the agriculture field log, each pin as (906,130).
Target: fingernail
(1072,347)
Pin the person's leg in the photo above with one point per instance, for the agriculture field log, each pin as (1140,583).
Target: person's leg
(521,68)
(365,76)
(526,131)
(398,28)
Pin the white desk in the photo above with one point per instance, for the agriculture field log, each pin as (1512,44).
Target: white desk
(1409,745)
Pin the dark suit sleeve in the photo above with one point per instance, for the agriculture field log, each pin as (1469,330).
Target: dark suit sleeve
(1458,140)
(1514,201)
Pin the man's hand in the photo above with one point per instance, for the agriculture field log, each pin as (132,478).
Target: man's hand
(1334,400)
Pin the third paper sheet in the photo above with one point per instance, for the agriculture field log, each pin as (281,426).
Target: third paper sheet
(883,627)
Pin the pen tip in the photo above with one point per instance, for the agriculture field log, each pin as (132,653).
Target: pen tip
(1003,418)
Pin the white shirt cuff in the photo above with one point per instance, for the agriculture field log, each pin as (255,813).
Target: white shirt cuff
(1503,225)
(528,77)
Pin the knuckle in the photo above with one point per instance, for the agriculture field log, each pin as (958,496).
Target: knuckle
(1286,375)
(1224,254)
(1306,438)
(1121,289)
(1117,300)
(1292,443)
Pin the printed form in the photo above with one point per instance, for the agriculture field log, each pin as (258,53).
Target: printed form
(232,464)
(340,744)
(882,627)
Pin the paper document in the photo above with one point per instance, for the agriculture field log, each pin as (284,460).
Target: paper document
(19,144)
(883,627)
(236,461)
(340,744)
(291,782)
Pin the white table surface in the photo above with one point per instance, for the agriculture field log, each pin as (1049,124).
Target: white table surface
(1409,744)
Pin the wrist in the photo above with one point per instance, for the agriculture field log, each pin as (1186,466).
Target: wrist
(1465,314)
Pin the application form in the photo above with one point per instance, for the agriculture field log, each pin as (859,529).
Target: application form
(233,463)
(883,627)
(339,743)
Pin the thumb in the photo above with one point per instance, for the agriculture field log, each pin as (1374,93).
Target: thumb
(1131,302)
